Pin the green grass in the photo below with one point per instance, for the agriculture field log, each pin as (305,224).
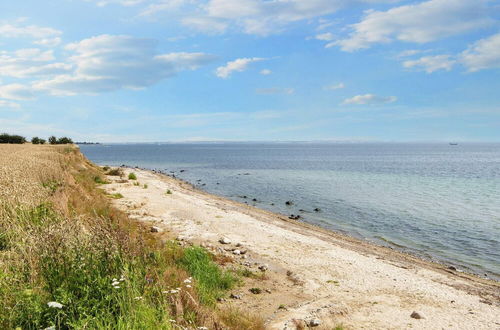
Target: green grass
(211,282)
(132,176)
(99,180)
(116,195)
(168,192)
(145,186)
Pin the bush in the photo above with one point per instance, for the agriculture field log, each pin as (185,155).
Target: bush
(13,139)
(115,172)
(132,176)
(64,140)
(52,140)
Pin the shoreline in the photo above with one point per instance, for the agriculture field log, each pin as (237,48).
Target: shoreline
(436,262)
(190,211)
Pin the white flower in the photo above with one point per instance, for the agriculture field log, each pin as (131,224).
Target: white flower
(138,298)
(172,321)
(164,292)
(54,304)
(114,280)
(188,286)
(115,283)
(116,287)
(52,327)
(187,280)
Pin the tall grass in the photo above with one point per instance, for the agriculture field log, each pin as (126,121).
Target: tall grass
(70,260)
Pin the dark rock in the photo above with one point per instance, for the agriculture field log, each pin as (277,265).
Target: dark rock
(452,268)
(254,200)
(289,203)
(417,315)
(317,210)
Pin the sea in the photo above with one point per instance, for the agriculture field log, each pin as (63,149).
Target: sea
(439,201)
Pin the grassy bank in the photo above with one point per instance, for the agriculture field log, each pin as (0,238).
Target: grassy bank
(70,260)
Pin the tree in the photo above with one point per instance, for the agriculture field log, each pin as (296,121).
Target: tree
(64,140)
(52,140)
(35,140)
(7,138)
(42,141)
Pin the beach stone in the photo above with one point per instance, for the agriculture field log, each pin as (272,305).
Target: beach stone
(155,229)
(225,240)
(237,252)
(314,322)
(235,296)
(452,268)
(263,267)
(417,315)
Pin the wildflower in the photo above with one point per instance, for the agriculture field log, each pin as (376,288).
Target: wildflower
(115,283)
(54,304)
(116,287)
(138,298)
(188,286)
(187,280)
(164,292)
(174,291)
(172,321)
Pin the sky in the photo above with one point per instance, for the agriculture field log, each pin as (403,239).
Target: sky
(251,70)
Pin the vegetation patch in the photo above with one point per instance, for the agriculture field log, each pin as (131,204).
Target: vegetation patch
(132,176)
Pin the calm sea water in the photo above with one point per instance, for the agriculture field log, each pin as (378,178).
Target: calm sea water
(439,201)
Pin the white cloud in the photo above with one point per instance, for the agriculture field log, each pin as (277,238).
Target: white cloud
(30,62)
(420,23)
(261,17)
(275,90)
(238,65)
(205,24)
(163,5)
(48,42)
(107,63)
(325,36)
(265,72)
(369,99)
(431,63)
(9,104)
(484,54)
(334,87)
(29,31)
(16,92)
(102,3)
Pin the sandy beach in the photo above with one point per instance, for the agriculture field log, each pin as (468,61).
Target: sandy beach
(312,274)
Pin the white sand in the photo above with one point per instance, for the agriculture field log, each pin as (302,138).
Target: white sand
(337,279)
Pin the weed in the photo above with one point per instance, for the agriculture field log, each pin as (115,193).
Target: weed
(132,176)
(255,290)
(168,192)
(137,184)
(115,172)
(211,281)
(99,180)
(145,186)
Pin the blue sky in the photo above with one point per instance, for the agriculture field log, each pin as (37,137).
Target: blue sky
(188,70)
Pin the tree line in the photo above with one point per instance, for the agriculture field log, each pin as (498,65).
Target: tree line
(18,139)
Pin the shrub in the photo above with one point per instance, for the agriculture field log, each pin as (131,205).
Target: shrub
(168,192)
(115,172)
(132,176)
(64,140)
(13,139)
(52,140)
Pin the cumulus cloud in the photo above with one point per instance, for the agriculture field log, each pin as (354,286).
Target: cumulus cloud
(238,65)
(261,17)
(45,36)
(107,63)
(431,63)
(275,90)
(16,92)
(481,55)
(369,99)
(419,23)
(30,62)
(484,54)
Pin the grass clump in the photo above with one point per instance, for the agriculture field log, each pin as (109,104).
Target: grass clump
(115,172)
(116,196)
(211,281)
(168,192)
(132,176)
(99,180)
(145,186)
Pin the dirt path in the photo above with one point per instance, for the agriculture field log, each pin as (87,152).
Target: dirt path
(313,273)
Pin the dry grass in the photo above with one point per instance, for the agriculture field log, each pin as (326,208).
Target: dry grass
(61,241)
